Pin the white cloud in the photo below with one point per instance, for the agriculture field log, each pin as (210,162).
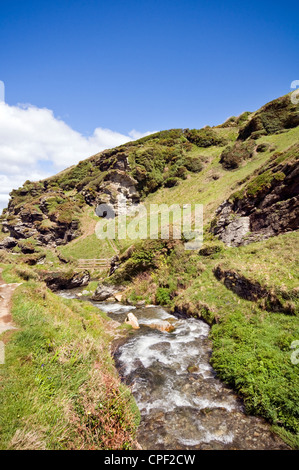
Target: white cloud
(35,144)
(137,135)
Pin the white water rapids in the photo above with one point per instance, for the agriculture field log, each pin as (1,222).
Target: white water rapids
(183,404)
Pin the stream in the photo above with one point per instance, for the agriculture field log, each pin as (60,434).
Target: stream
(183,404)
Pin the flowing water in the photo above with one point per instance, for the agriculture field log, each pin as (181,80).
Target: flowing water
(182,403)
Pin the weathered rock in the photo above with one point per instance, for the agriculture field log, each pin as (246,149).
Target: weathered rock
(231,228)
(162,325)
(20,229)
(267,206)
(118,297)
(114,264)
(104,291)
(116,184)
(132,320)
(65,280)
(8,243)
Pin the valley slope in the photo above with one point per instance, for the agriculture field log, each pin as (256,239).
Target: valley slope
(243,281)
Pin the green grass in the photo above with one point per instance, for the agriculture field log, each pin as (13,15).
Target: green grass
(251,346)
(59,388)
(252,354)
(259,261)
(89,247)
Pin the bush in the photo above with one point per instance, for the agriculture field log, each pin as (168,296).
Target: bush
(163,296)
(211,249)
(172,181)
(274,117)
(193,164)
(204,137)
(263,147)
(232,157)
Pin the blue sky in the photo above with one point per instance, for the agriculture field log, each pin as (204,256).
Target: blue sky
(147,64)
(139,65)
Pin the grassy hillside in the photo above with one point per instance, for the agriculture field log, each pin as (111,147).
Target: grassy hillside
(59,388)
(248,293)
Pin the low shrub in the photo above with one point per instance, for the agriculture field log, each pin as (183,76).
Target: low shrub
(204,137)
(232,157)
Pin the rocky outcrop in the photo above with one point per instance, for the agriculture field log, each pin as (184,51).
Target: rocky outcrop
(267,206)
(230,228)
(118,192)
(64,280)
(45,212)
(7,243)
(249,289)
(49,217)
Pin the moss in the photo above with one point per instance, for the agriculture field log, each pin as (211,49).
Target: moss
(263,181)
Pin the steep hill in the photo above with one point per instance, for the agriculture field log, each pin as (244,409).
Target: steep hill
(256,146)
(243,281)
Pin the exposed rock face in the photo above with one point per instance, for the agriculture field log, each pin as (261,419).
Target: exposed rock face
(117,183)
(63,280)
(267,206)
(8,243)
(118,297)
(230,228)
(44,211)
(43,215)
(118,193)
(252,290)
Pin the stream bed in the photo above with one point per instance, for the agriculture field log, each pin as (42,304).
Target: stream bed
(183,404)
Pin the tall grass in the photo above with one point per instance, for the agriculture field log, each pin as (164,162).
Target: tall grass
(59,388)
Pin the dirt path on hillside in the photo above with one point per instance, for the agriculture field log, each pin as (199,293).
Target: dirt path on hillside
(6,291)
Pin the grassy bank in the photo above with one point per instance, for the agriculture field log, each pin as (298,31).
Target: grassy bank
(251,343)
(59,388)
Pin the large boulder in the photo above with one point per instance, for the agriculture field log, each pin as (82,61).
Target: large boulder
(132,320)
(104,291)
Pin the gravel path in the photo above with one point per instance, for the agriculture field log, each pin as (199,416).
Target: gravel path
(6,291)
